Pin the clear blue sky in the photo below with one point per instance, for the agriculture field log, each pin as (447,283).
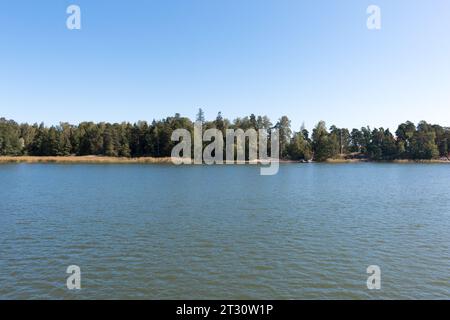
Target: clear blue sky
(310,60)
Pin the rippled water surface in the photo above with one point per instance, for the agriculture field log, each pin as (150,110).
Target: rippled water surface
(225,232)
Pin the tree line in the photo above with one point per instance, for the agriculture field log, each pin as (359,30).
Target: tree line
(409,141)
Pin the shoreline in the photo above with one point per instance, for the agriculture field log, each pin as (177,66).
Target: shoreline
(168,160)
(337,161)
(83,159)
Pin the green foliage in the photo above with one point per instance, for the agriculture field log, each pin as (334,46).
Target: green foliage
(200,116)
(300,147)
(425,141)
(10,143)
(323,145)
(284,128)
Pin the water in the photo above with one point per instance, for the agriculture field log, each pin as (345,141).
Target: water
(225,232)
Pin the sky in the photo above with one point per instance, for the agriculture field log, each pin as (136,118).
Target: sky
(143,60)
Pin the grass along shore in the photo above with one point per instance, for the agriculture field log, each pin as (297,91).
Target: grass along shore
(81,159)
(387,161)
(165,160)
(97,159)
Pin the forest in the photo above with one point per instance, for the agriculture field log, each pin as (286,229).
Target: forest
(423,141)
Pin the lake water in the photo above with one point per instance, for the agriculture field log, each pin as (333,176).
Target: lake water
(225,232)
